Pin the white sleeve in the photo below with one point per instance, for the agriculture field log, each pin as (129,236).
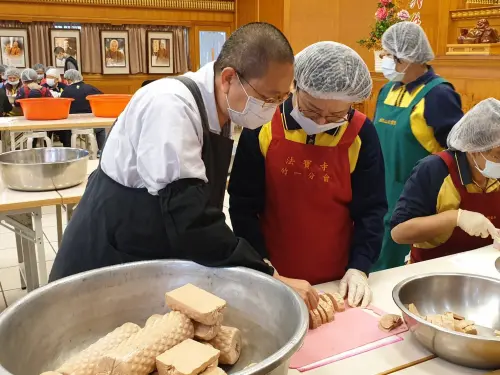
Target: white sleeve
(170,142)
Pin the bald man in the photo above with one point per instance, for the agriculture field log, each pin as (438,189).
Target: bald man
(113,55)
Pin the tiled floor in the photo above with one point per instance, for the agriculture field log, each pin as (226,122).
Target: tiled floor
(9,271)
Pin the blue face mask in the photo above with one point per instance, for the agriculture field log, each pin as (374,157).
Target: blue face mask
(491,169)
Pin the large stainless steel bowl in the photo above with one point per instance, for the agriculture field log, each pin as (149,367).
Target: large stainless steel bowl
(48,325)
(475,297)
(43,169)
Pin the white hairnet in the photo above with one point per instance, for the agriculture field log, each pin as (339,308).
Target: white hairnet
(73,75)
(330,70)
(12,72)
(52,72)
(479,129)
(407,41)
(29,75)
(2,68)
(39,67)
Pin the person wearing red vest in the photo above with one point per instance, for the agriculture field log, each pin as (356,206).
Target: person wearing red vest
(307,189)
(31,88)
(451,202)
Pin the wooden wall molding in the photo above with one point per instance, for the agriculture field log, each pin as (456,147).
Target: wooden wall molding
(204,5)
(484,2)
(475,13)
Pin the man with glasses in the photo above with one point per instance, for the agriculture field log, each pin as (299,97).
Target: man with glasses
(159,190)
(307,189)
(415,112)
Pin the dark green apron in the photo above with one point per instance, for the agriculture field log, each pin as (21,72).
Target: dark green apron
(401,152)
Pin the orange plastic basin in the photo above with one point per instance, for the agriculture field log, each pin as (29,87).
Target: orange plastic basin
(108,105)
(46,108)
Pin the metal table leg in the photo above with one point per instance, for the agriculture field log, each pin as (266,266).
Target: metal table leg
(69,211)
(29,266)
(20,259)
(42,264)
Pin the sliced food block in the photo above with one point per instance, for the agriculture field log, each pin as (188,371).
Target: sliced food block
(228,341)
(462,324)
(337,301)
(435,319)
(85,362)
(413,309)
(214,371)
(328,309)
(314,319)
(137,355)
(198,304)
(448,321)
(322,315)
(455,315)
(389,322)
(187,358)
(471,330)
(204,332)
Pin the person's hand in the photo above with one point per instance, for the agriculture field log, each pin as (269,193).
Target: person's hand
(476,224)
(305,290)
(354,284)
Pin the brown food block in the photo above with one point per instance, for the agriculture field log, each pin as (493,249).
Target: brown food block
(85,362)
(413,309)
(390,321)
(214,371)
(137,355)
(462,324)
(187,358)
(455,316)
(198,304)
(322,314)
(204,332)
(471,330)
(328,309)
(228,341)
(152,319)
(314,319)
(337,301)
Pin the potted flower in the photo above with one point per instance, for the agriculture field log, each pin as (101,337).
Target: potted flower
(388,13)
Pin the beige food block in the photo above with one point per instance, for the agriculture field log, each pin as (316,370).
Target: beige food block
(214,371)
(448,321)
(187,358)
(85,362)
(314,319)
(455,315)
(337,301)
(322,315)
(435,319)
(228,341)
(413,309)
(196,303)
(328,309)
(137,355)
(153,318)
(389,322)
(462,324)
(204,332)
(471,330)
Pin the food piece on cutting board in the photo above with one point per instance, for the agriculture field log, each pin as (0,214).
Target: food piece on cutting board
(389,322)
(327,309)
(198,304)
(204,332)
(314,319)
(137,355)
(85,362)
(228,341)
(187,358)
(337,301)
(322,315)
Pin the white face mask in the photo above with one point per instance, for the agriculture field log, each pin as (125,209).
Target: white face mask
(389,70)
(310,127)
(14,83)
(51,82)
(255,114)
(491,169)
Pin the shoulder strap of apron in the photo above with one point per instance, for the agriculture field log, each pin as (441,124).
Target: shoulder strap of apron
(425,90)
(453,170)
(277,126)
(385,92)
(353,128)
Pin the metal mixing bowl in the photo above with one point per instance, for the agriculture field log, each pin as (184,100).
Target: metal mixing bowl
(43,329)
(43,169)
(476,298)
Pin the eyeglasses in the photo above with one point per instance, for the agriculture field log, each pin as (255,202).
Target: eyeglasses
(267,101)
(315,116)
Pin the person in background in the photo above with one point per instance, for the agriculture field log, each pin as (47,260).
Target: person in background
(56,88)
(5,106)
(113,55)
(415,112)
(12,85)
(69,61)
(307,189)
(79,90)
(451,202)
(3,78)
(31,88)
(40,71)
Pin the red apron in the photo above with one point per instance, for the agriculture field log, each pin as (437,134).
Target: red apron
(306,222)
(487,204)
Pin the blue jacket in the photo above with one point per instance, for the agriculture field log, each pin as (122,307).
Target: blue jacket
(79,91)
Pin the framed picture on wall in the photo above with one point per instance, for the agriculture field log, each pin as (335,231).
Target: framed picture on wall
(14,44)
(115,52)
(67,41)
(160,52)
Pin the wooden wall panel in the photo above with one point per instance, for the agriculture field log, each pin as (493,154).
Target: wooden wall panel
(246,11)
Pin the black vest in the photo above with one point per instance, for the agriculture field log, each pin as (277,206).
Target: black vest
(73,61)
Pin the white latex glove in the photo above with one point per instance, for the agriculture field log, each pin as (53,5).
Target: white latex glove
(476,224)
(355,285)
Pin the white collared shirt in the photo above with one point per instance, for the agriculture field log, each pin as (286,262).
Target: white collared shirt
(158,138)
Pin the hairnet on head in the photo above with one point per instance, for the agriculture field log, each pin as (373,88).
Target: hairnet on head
(330,70)
(39,67)
(407,41)
(479,129)
(12,72)
(29,75)
(73,75)
(52,72)
(2,68)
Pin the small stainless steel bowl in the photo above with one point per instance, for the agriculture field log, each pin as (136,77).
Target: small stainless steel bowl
(44,169)
(475,297)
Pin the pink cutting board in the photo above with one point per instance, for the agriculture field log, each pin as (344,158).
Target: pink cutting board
(350,330)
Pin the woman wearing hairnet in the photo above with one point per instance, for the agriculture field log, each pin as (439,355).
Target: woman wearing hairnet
(31,88)
(307,189)
(450,198)
(415,112)
(11,86)
(40,71)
